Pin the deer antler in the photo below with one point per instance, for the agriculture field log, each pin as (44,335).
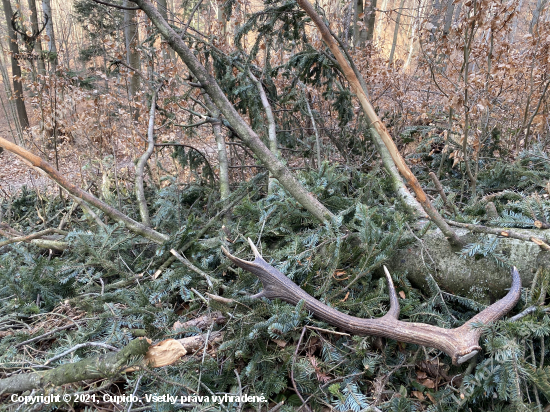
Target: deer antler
(460,344)
(29,40)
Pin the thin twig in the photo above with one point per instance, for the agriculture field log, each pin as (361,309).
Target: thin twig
(43,335)
(240,389)
(81,345)
(500,232)
(437,184)
(116,6)
(32,236)
(191,17)
(195,269)
(328,331)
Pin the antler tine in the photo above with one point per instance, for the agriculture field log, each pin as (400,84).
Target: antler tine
(254,249)
(502,306)
(394,302)
(46,19)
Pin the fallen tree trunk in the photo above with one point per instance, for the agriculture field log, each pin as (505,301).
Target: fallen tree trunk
(164,353)
(473,277)
(91,368)
(44,167)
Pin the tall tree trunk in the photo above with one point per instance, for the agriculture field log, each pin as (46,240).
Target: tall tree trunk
(380,23)
(435,18)
(449,12)
(15,69)
(396,31)
(38,42)
(131,38)
(541,4)
(222,148)
(52,49)
(347,23)
(162,7)
(271,127)
(370,20)
(357,11)
(414,29)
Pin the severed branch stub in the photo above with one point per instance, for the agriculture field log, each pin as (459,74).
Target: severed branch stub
(461,343)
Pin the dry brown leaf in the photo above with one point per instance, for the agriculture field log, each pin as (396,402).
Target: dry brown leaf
(421,375)
(419,395)
(402,294)
(280,343)
(428,383)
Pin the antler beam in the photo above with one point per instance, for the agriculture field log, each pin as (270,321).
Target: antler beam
(460,343)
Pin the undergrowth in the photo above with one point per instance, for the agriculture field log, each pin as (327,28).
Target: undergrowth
(104,284)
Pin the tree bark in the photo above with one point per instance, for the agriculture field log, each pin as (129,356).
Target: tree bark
(222,149)
(476,278)
(396,31)
(370,20)
(515,22)
(52,49)
(536,16)
(449,12)
(111,364)
(131,37)
(91,368)
(271,126)
(357,11)
(245,132)
(15,69)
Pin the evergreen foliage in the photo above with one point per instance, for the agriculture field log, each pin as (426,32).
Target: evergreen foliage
(106,277)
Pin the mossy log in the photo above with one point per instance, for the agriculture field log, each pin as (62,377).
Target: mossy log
(102,366)
(474,277)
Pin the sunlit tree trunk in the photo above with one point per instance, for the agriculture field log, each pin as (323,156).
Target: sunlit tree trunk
(396,30)
(52,49)
(15,68)
(223,161)
(380,23)
(414,29)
